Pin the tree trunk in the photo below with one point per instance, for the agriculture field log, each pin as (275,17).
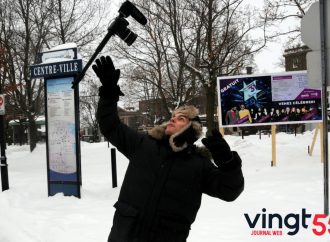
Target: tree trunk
(210,106)
(21,135)
(33,133)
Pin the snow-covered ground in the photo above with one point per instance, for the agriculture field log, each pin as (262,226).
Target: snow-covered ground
(27,214)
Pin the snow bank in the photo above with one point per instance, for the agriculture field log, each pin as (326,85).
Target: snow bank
(29,215)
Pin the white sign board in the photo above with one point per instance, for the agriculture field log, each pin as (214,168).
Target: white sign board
(61,129)
(267,99)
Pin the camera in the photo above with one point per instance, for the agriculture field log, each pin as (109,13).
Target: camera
(119,26)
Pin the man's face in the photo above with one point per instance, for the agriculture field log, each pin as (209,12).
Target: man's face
(176,123)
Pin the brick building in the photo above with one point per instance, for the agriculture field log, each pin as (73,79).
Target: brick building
(295,58)
(153,111)
(131,118)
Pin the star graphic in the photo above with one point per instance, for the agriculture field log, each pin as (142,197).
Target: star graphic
(250,90)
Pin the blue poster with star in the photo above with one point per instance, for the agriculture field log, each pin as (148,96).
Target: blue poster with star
(278,98)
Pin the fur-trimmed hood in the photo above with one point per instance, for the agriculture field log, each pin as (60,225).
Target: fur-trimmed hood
(158,133)
(187,135)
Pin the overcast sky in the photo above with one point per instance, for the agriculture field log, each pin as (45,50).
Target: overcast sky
(268,59)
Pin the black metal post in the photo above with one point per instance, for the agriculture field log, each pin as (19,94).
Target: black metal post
(78,147)
(3,164)
(114,167)
(325,75)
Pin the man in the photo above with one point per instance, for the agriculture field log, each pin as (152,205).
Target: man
(166,176)
(244,114)
(232,116)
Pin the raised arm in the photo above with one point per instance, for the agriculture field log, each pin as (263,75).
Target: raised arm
(124,138)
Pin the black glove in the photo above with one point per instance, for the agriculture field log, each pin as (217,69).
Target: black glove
(109,76)
(218,147)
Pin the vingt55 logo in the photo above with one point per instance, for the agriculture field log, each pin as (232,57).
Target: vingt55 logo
(273,223)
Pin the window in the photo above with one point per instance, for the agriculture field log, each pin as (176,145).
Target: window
(295,63)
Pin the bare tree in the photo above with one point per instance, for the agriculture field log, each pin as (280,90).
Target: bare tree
(80,22)
(278,12)
(156,66)
(159,57)
(226,45)
(29,27)
(88,105)
(21,22)
(76,21)
(190,43)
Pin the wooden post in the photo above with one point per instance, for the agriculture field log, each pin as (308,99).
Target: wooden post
(321,141)
(273,145)
(222,131)
(314,139)
(317,129)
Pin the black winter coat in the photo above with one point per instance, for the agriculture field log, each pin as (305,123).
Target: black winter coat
(161,192)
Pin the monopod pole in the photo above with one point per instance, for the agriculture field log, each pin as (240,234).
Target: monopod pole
(91,60)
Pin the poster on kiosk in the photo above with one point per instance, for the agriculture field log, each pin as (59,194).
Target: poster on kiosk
(59,68)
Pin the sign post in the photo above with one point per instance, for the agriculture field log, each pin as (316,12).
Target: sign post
(3,159)
(62,120)
(314,33)
(273,127)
